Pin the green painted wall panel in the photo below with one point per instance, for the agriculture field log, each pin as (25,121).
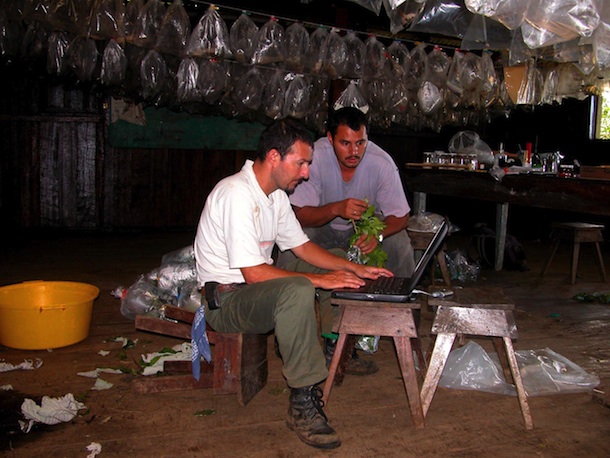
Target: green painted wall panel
(168,129)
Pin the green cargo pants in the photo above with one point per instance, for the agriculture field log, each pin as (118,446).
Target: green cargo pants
(286,305)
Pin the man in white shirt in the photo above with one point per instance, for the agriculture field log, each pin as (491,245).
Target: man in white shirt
(244,216)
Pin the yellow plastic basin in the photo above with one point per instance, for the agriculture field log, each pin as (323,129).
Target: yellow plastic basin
(37,315)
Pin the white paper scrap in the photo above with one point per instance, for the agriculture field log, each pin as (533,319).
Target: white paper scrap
(103,352)
(51,411)
(95,448)
(100,370)
(26,365)
(183,353)
(101,385)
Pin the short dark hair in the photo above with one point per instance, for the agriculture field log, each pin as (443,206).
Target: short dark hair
(348,116)
(281,135)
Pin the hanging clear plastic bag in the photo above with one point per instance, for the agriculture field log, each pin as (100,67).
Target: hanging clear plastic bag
(508,12)
(530,90)
(297,100)
(82,56)
(174,30)
(35,41)
(563,18)
(269,44)
(335,55)
(443,17)
(417,67)
(133,9)
(57,63)
(400,59)
(210,37)
(10,38)
(114,64)
(297,47)
(147,24)
(213,80)
(352,97)
(430,98)
(249,90)
(107,20)
(485,33)
(188,73)
(376,57)
(315,58)
(153,73)
(241,37)
(356,54)
(274,95)
(69,16)
(403,13)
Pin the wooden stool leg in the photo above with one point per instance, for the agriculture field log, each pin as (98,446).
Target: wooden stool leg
(501,352)
(602,268)
(548,263)
(525,409)
(442,347)
(442,263)
(575,255)
(336,372)
(407,367)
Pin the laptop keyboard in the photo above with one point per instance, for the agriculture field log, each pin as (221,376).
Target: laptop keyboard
(387,285)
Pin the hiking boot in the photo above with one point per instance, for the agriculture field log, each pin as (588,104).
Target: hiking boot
(307,419)
(355,366)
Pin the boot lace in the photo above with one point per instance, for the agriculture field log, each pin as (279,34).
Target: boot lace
(316,399)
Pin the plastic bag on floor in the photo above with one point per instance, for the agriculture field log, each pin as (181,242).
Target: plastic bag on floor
(543,372)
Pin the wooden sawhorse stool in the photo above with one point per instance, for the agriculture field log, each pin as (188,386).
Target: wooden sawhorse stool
(479,312)
(576,233)
(239,361)
(383,319)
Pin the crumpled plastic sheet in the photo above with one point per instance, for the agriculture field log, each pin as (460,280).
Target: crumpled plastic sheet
(543,372)
(51,411)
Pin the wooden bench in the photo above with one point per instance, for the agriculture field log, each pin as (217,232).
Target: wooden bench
(383,319)
(477,312)
(239,361)
(576,233)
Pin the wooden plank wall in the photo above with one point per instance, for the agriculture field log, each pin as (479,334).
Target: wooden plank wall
(58,171)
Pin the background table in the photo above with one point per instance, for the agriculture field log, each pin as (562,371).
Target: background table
(589,196)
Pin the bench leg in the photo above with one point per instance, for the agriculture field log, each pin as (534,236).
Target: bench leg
(442,347)
(525,409)
(338,365)
(575,255)
(600,259)
(409,377)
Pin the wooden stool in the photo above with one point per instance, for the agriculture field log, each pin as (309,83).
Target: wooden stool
(239,364)
(576,233)
(383,319)
(419,242)
(480,312)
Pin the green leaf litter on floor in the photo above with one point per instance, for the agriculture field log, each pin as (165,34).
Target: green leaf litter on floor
(602,298)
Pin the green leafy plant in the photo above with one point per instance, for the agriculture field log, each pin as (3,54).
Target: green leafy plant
(371,226)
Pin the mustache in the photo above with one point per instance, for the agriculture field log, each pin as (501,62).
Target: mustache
(353,156)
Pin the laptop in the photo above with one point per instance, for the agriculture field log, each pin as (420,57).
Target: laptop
(396,289)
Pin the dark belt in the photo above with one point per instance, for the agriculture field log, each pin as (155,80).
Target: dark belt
(212,290)
(223,288)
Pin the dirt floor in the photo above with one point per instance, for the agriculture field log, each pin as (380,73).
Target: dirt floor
(370,413)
